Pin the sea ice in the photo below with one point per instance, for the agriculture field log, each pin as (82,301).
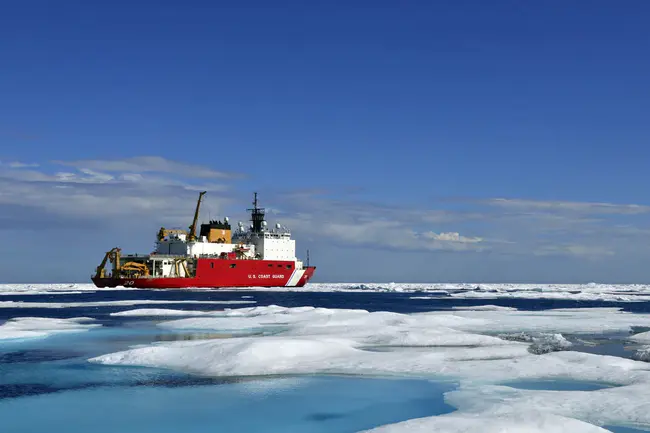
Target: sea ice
(478,307)
(41,292)
(573,321)
(642,337)
(34,327)
(541,343)
(546,343)
(527,422)
(586,292)
(52,289)
(461,345)
(643,354)
(21,304)
(160,312)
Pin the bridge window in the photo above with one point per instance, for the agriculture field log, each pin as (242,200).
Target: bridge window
(288,266)
(232,265)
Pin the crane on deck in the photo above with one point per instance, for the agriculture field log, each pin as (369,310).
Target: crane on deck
(114,257)
(138,269)
(192,234)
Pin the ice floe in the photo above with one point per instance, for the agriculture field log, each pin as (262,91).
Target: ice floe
(546,343)
(483,308)
(527,422)
(569,320)
(22,304)
(160,312)
(583,292)
(462,345)
(36,327)
(606,294)
(52,289)
(541,343)
(642,337)
(643,354)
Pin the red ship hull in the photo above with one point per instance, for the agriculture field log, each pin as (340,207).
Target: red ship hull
(218,273)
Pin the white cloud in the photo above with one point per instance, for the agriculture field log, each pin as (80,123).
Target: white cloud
(568,206)
(353,229)
(92,195)
(575,250)
(24,175)
(513,227)
(147,191)
(17,164)
(451,237)
(149,164)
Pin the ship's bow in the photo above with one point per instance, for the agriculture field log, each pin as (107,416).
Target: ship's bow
(306,276)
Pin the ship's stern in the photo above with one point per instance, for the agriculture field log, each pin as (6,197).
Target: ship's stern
(105,282)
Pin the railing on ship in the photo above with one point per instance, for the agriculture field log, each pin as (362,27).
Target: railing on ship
(200,256)
(273,234)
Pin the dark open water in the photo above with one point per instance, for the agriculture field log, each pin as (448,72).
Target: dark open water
(371,301)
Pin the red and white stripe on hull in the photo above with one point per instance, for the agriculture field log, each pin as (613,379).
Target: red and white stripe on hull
(217,273)
(295,278)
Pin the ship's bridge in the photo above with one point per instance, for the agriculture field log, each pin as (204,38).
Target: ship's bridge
(269,244)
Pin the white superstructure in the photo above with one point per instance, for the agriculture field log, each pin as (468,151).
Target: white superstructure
(264,244)
(269,244)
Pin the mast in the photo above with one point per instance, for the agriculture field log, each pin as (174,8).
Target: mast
(257,216)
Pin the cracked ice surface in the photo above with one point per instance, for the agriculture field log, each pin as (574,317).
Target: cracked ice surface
(460,345)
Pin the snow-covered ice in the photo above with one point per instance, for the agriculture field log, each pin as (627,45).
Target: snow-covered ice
(485,348)
(22,304)
(52,289)
(642,337)
(483,308)
(37,327)
(421,291)
(160,312)
(526,422)
(583,292)
(643,354)
(577,292)
(461,345)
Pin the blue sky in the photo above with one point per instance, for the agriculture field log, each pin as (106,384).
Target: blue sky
(420,141)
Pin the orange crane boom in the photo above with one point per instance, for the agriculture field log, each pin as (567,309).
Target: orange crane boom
(192,235)
(114,256)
